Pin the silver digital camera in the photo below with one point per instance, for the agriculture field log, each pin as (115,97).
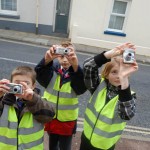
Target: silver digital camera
(62,50)
(15,88)
(128,56)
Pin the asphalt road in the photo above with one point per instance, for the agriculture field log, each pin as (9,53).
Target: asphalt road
(13,54)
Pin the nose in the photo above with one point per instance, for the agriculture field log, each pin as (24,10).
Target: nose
(117,75)
(64,59)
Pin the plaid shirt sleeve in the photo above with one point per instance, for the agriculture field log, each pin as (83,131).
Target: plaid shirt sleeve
(127,109)
(91,74)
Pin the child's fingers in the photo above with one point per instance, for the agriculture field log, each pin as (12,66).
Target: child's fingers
(3,90)
(24,86)
(3,85)
(4,81)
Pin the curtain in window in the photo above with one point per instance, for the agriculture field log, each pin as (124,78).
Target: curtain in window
(63,6)
(116,22)
(9,5)
(119,7)
(118,15)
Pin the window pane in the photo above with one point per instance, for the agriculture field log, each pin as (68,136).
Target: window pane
(116,22)
(63,6)
(119,7)
(9,5)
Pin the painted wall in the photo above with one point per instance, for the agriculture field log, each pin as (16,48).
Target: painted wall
(27,10)
(89,20)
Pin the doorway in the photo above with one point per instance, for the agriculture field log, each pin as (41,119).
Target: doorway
(62,16)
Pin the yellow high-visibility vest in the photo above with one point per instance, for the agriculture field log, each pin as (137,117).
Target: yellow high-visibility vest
(102,124)
(24,135)
(63,98)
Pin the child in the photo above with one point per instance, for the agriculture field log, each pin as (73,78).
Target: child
(63,81)
(111,103)
(22,116)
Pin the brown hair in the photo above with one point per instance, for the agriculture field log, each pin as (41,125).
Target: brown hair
(107,68)
(66,43)
(24,70)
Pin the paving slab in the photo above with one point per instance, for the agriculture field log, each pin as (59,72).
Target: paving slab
(125,143)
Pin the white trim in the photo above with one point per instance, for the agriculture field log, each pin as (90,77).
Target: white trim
(54,14)
(122,15)
(9,12)
(69,16)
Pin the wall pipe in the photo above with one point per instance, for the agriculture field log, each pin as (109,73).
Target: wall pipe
(37,16)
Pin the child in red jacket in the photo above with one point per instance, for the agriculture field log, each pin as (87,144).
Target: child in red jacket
(63,81)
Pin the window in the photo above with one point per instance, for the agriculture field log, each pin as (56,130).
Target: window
(8,7)
(118,15)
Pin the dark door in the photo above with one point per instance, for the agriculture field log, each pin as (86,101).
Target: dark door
(62,15)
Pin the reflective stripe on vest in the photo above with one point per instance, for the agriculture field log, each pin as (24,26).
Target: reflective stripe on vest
(28,134)
(103,125)
(64,98)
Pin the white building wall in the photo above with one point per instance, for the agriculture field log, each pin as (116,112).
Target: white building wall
(89,20)
(27,10)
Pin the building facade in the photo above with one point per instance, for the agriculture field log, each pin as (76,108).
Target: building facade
(98,23)
(107,23)
(36,16)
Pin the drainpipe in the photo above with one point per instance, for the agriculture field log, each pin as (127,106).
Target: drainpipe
(37,16)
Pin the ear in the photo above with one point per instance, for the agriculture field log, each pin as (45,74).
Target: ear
(33,86)
(106,77)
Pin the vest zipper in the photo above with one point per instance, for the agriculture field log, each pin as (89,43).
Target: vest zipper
(96,122)
(57,104)
(17,137)
(18,116)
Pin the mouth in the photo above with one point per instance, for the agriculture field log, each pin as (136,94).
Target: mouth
(118,82)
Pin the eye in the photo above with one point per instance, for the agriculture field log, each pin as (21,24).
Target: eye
(27,82)
(114,71)
(62,56)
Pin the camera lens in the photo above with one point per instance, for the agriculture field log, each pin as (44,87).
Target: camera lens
(130,54)
(66,51)
(16,89)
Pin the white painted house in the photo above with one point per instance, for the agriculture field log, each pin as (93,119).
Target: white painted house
(37,16)
(98,23)
(106,23)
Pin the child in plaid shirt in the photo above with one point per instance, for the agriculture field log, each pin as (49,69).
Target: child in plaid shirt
(112,102)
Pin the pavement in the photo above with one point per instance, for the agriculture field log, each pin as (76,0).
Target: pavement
(127,142)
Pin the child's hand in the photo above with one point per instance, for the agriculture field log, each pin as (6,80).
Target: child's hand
(50,54)
(118,50)
(3,88)
(72,58)
(125,70)
(27,92)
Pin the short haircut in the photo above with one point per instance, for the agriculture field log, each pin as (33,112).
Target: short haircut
(107,68)
(66,43)
(24,70)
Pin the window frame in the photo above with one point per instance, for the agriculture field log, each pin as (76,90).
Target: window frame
(9,12)
(122,15)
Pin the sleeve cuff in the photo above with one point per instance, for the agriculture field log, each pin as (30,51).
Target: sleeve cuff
(125,95)
(71,71)
(33,101)
(100,59)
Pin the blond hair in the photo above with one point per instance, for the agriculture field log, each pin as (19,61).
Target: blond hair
(107,68)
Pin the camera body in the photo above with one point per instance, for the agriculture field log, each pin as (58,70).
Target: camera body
(62,51)
(129,56)
(15,88)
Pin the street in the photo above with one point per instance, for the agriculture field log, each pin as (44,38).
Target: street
(13,54)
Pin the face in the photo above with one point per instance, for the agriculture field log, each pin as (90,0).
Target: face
(113,76)
(64,62)
(23,78)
